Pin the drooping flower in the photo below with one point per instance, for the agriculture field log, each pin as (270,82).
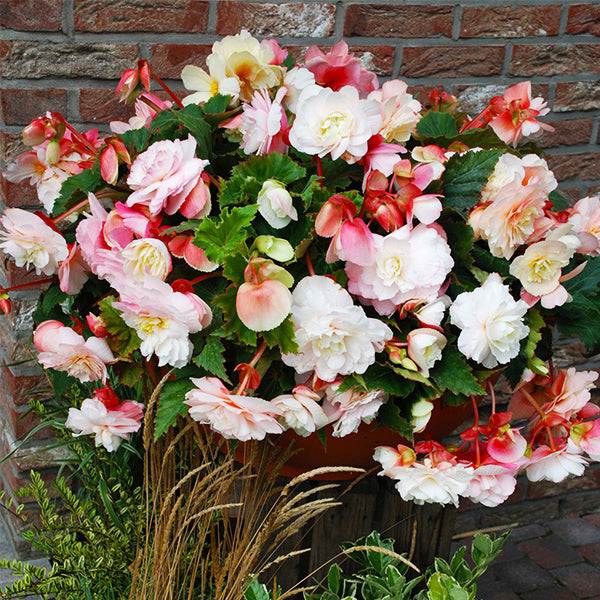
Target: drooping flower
(585,218)
(334,123)
(72,271)
(301,411)
(570,391)
(233,416)
(334,336)
(555,465)
(168,177)
(144,113)
(491,484)
(425,347)
(110,426)
(420,414)
(491,323)
(31,241)
(62,349)
(275,204)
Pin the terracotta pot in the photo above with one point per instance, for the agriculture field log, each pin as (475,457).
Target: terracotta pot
(356,449)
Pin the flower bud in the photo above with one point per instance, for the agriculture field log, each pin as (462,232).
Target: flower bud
(275,248)
(275,204)
(53,152)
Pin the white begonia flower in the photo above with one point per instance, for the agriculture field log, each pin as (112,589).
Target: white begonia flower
(424,482)
(334,123)
(300,410)
(334,336)
(432,313)
(206,85)
(425,347)
(147,256)
(275,204)
(295,80)
(556,465)
(491,321)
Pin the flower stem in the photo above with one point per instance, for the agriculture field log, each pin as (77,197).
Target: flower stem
(542,415)
(309,265)
(476,428)
(31,284)
(71,210)
(165,87)
(80,138)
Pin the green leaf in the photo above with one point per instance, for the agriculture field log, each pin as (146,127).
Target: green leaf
(220,236)
(76,188)
(389,415)
(378,377)
(211,358)
(52,297)
(124,340)
(437,124)
(257,591)
(453,373)
(180,122)
(559,202)
(333,578)
(282,336)
(171,405)
(136,137)
(465,176)
(109,505)
(217,104)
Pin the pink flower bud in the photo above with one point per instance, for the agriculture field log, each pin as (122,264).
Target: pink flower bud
(263,306)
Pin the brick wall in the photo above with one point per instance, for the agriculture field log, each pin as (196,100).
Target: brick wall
(67,55)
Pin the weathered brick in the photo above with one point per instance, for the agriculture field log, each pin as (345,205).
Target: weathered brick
(379,59)
(582,579)
(22,388)
(102,106)
(509,21)
(451,61)
(295,19)
(551,60)
(141,15)
(566,133)
(17,194)
(577,95)
(584,18)
(590,480)
(168,60)
(474,98)
(381,20)
(550,552)
(575,166)
(31,15)
(21,106)
(34,60)
(20,421)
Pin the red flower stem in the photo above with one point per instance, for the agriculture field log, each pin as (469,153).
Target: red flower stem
(492,396)
(258,354)
(203,277)
(476,428)
(319,164)
(72,210)
(151,104)
(473,122)
(309,265)
(80,138)
(165,87)
(542,414)
(241,390)
(31,284)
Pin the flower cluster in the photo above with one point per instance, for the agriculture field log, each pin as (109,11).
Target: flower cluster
(351,254)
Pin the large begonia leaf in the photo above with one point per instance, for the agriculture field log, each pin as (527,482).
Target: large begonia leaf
(390,415)
(465,177)
(437,124)
(211,358)
(220,236)
(136,137)
(282,336)
(171,404)
(453,373)
(76,189)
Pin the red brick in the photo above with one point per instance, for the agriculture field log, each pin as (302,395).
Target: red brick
(550,552)
(450,61)
(584,18)
(20,421)
(18,194)
(20,106)
(379,59)
(168,60)
(294,19)
(551,60)
(577,95)
(575,166)
(591,552)
(22,388)
(581,579)
(566,133)
(381,20)
(31,15)
(590,480)
(509,21)
(102,106)
(141,15)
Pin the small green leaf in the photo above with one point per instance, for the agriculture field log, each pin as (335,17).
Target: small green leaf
(333,578)
(217,104)
(437,124)
(389,415)
(171,404)
(453,373)
(211,358)
(76,188)
(282,336)
(124,340)
(136,137)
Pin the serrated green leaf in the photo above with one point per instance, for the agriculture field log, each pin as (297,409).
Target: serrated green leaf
(465,176)
(217,104)
(180,122)
(453,373)
(220,236)
(211,358)
(559,202)
(136,137)
(437,124)
(76,188)
(282,336)
(171,404)
(123,340)
(389,415)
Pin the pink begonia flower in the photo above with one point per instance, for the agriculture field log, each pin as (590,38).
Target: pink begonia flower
(425,482)
(334,123)
(264,305)
(409,263)
(571,390)
(348,409)
(339,68)
(515,113)
(233,416)
(279,54)
(491,484)
(163,319)
(425,347)
(182,246)
(62,349)
(585,218)
(491,323)
(275,204)
(264,124)
(399,109)
(555,465)
(167,177)
(381,157)
(144,114)
(72,271)
(136,220)
(89,232)
(300,410)
(334,336)
(353,242)
(394,459)
(31,241)
(590,439)
(506,446)
(110,426)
